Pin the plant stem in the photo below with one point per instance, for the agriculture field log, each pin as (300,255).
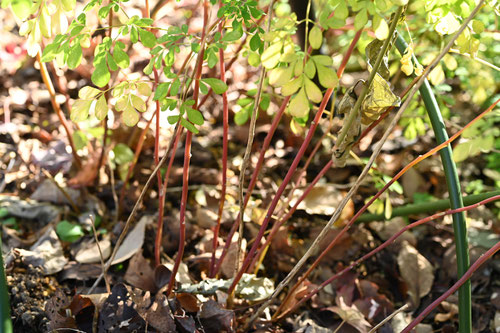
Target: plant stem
(356,109)
(248,149)
(253,180)
(62,119)
(225,134)
(187,154)
(453,184)
(5,322)
(426,207)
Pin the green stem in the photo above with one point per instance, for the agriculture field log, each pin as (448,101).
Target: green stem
(427,207)
(456,200)
(348,122)
(5,322)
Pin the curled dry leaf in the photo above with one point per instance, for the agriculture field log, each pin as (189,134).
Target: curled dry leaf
(416,271)
(351,315)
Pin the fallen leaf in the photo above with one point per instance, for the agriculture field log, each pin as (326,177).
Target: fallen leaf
(416,271)
(48,191)
(140,274)
(134,240)
(351,315)
(89,253)
(216,319)
(47,253)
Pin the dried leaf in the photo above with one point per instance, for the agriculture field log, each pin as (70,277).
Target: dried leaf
(133,242)
(216,319)
(416,271)
(351,315)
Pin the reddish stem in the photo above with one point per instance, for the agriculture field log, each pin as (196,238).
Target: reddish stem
(225,126)
(253,180)
(383,246)
(187,154)
(182,225)
(163,192)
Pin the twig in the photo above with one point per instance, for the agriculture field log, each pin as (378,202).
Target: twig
(108,288)
(225,134)
(57,108)
(382,323)
(62,190)
(113,192)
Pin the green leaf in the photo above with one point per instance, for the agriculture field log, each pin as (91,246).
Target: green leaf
(190,127)
(341,12)
(80,110)
(217,85)
(322,60)
(161,91)
(327,77)
(232,35)
(101,108)
(176,84)
(80,139)
(148,39)
(195,116)
(315,37)
(123,154)
(462,151)
(299,106)
(111,62)
(173,119)
(212,59)
(21,8)
(121,58)
(255,42)
(134,37)
(241,117)
(361,19)
(50,52)
(69,232)
(100,77)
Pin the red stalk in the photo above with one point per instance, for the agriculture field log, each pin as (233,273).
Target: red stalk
(225,126)
(187,155)
(253,180)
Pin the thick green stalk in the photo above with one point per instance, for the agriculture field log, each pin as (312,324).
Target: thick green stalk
(5,322)
(456,200)
(426,207)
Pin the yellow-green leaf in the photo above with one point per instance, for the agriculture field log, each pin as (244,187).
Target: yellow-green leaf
(80,110)
(436,76)
(313,92)
(130,116)
(281,75)
(298,68)
(291,87)
(381,28)
(44,22)
(447,24)
(138,103)
(271,55)
(310,69)
(88,92)
(101,108)
(144,88)
(299,106)
(327,77)
(322,60)
(315,37)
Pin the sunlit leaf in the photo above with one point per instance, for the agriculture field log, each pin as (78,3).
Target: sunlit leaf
(280,75)
(101,108)
(217,85)
(271,56)
(315,37)
(299,105)
(138,103)
(291,87)
(327,77)
(313,92)
(381,28)
(80,110)
(130,116)
(88,92)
